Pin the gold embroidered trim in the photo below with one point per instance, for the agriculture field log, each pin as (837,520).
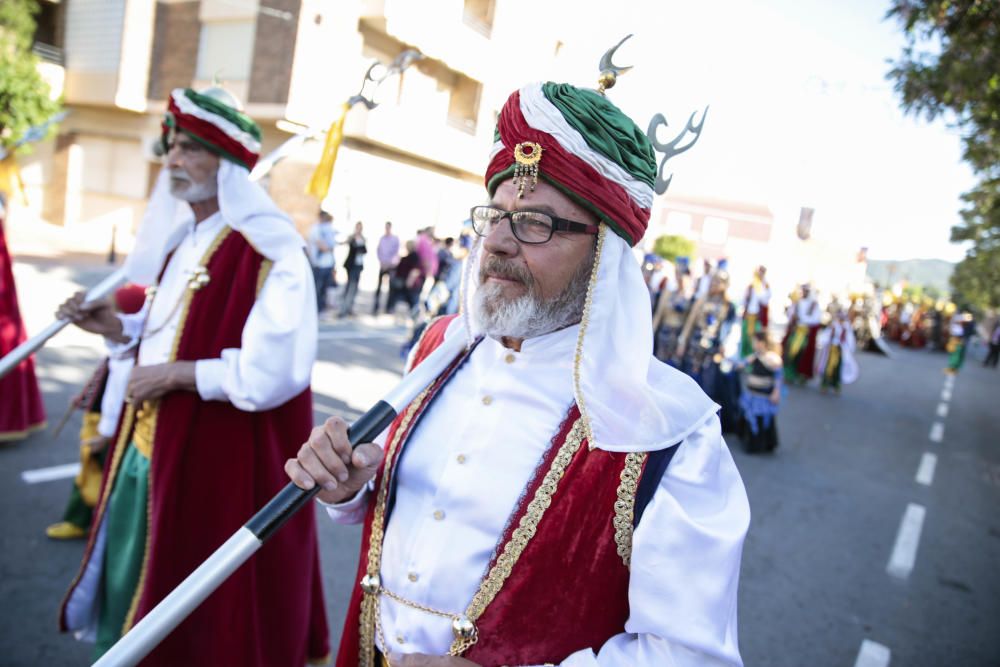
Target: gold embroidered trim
(625,504)
(522,535)
(265,271)
(578,357)
(154,407)
(369,606)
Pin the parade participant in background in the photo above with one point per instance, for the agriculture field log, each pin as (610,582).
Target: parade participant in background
(388,257)
(958,338)
(355,264)
(755,310)
(527,460)
(407,281)
(427,252)
(225,352)
(322,240)
(799,345)
(835,346)
(101,401)
(21,409)
(760,400)
(707,340)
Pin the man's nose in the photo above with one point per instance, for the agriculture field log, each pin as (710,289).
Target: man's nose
(501,240)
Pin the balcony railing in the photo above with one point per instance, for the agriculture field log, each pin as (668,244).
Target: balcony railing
(48,53)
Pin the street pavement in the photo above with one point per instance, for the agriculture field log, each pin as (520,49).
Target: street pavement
(827,506)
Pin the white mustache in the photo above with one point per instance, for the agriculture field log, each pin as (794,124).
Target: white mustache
(180,175)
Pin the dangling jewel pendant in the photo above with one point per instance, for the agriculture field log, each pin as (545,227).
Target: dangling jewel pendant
(527,155)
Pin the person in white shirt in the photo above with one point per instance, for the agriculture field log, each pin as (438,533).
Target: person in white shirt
(525,510)
(321,241)
(226,343)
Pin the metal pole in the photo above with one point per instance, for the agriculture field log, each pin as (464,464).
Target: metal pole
(28,347)
(235,551)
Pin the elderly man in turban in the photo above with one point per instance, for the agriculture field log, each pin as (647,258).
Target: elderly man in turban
(227,339)
(557,496)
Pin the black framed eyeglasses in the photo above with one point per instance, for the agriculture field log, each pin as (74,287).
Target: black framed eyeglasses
(531,227)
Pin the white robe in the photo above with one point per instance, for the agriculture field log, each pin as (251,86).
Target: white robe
(467,463)
(278,346)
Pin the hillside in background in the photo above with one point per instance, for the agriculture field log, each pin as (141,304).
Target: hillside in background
(925,272)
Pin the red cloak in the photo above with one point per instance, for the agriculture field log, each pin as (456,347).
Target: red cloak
(21,408)
(212,467)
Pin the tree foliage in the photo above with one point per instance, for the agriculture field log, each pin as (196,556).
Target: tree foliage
(24,94)
(672,246)
(950,67)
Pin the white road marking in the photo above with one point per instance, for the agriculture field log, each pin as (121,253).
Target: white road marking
(50,474)
(937,432)
(873,654)
(946,394)
(942,410)
(949,381)
(904,552)
(925,473)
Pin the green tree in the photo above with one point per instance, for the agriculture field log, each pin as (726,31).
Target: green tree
(672,246)
(24,94)
(950,68)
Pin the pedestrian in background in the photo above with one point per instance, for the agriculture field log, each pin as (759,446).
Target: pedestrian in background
(322,239)
(388,258)
(355,263)
(994,354)
(761,397)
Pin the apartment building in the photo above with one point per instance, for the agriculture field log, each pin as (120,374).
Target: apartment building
(416,159)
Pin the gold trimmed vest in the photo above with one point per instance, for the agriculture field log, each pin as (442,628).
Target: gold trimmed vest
(558,581)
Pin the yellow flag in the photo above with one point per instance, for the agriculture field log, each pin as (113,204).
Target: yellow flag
(319,184)
(10,180)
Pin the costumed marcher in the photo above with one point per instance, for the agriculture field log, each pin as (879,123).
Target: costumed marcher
(707,342)
(755,310)
(670,311)
(835,345)
(956,342)
(21,410)
(761,398)
(799,344)
(217,401)
(101,401)
(527,511)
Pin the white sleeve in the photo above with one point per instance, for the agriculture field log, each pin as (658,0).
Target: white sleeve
(132,324)
(114,394)
(685,565)
(278,347)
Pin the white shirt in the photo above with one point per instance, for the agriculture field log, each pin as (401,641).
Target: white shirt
(278,346)
(807,311)
(759,296)
(460,478)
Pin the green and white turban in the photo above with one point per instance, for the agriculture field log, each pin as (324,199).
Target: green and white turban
(583,145)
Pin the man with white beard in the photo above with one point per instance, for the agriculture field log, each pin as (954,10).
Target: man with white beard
(226,342)
(524,509)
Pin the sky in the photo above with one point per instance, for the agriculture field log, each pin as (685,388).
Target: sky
(801,114)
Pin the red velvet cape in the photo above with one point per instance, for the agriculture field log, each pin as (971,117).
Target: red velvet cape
(568,590)
(212,467)
(21,408)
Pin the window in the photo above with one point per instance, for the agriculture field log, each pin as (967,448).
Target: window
(225,51)
(48,42)
(463,104)
(478,15)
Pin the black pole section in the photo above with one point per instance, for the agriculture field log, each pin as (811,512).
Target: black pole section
(291,498)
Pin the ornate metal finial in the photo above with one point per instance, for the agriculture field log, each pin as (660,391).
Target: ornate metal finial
(398,64)
(673,147)
(220,94)
(610,71)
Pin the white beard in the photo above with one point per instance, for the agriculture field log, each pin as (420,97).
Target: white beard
(528,316)
(194,192)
